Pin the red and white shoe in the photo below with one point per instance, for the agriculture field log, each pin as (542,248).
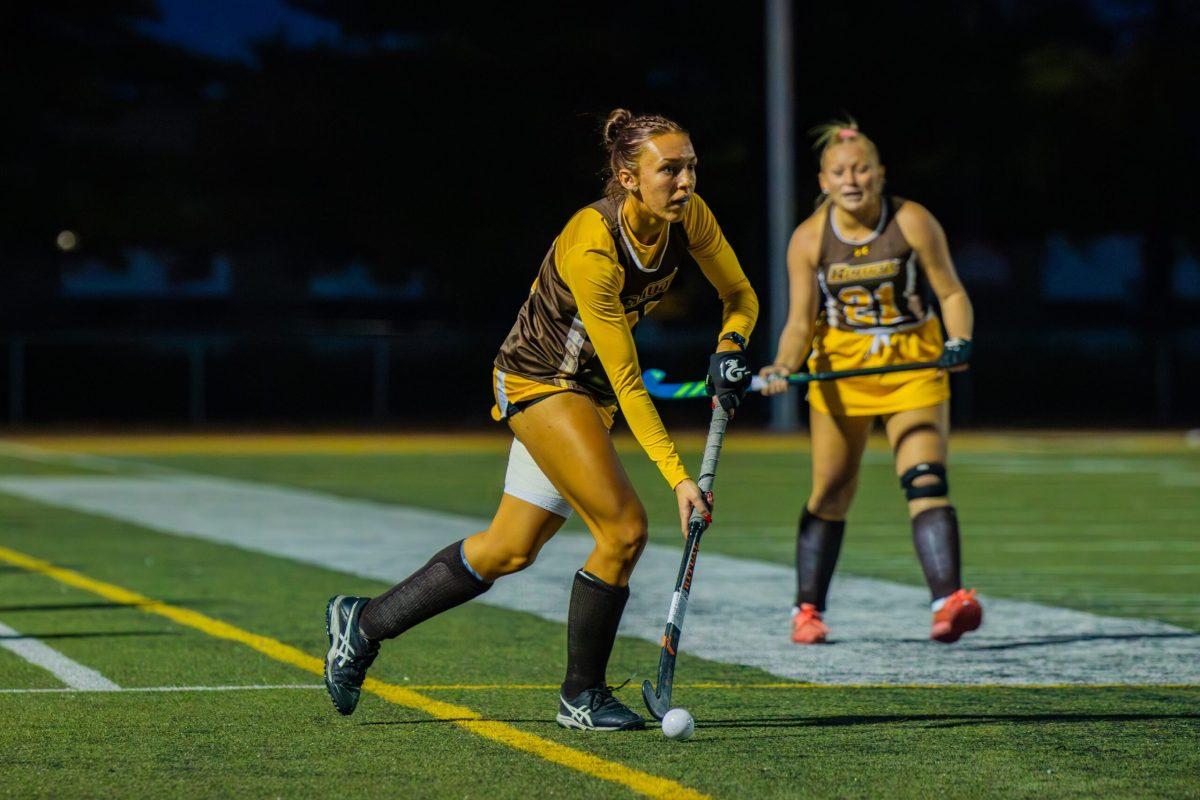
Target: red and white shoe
(960,614)
(807,627)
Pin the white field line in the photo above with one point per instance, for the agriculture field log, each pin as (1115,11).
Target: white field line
(86,461)
(76,676)
(739,607)
(256,687)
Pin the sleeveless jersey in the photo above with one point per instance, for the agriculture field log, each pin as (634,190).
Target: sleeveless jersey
(548,342)
(875,285)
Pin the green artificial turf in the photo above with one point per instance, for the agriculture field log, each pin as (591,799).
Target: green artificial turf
(1110,534)
(1105,534)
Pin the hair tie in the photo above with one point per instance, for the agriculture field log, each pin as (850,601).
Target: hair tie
(847,133)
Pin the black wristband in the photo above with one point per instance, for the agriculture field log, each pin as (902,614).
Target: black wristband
(734,337)
(956,352)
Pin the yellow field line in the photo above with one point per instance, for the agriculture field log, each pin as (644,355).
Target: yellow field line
(496,440)
(793,685)
(640,782)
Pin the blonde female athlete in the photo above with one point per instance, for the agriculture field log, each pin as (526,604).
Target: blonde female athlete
(565,368)
(861,269)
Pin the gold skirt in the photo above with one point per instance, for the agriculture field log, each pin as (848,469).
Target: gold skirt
(872,395)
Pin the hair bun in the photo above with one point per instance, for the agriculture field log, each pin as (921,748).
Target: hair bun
(624,137)
(617,120)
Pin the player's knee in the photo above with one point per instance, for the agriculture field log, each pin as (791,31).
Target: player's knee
(625,537)
(927,482)
(506,562)
(832,501)
(915,507)
(492,557)
(829,509)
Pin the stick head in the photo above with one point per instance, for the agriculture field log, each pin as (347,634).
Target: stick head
(657,706)
(652,380)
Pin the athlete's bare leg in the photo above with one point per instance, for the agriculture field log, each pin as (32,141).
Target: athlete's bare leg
(567,438)
(837,447)
(512,540)
(919,436)
(570,443)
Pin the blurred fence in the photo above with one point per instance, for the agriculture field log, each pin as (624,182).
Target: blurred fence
(440,375)
(90,377)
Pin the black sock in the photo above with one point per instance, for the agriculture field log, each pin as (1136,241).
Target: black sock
(440,585)
(818,543)
(935,534)
(592,621)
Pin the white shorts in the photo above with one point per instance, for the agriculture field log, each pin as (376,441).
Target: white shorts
(524,480)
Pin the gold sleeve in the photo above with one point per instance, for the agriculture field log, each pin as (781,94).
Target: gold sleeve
(587,264)
(720,265)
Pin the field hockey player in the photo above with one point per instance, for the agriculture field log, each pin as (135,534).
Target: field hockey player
(564,370)
(862,269)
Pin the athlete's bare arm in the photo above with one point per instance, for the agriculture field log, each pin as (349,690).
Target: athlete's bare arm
(927,238)
(802,256)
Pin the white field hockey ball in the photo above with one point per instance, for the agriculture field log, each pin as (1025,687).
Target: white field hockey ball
(678,724)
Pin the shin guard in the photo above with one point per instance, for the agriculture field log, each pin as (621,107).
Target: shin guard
(443,583)
(592,621)
(935,535)
(818,543)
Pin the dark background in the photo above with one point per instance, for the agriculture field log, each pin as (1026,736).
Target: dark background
(326,212)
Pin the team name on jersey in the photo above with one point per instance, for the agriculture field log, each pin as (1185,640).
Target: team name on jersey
(650,291)
(857,273)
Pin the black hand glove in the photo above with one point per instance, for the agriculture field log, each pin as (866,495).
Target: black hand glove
(957,353)
(728,378)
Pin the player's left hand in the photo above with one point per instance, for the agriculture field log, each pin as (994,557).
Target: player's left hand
(728,378)
(775,379)
(688,493)
(956,355)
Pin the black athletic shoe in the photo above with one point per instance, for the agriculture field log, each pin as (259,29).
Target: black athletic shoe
(597,710)
(350,653)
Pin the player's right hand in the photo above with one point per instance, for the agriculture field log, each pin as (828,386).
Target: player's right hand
(688,493)
(774,378)
(728,378)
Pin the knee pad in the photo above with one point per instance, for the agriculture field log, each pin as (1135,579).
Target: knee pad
(939,488)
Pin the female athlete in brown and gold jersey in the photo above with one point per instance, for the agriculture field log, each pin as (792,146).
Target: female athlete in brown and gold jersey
(861,269)
(567,365)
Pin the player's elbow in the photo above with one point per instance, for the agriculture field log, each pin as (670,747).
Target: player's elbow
(956,296)
(799,330)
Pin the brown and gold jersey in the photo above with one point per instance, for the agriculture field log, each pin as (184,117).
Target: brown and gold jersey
(875,284)
(574,331)
(549,342)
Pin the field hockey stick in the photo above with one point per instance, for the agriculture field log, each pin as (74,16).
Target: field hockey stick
(658,699)
(657,387)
